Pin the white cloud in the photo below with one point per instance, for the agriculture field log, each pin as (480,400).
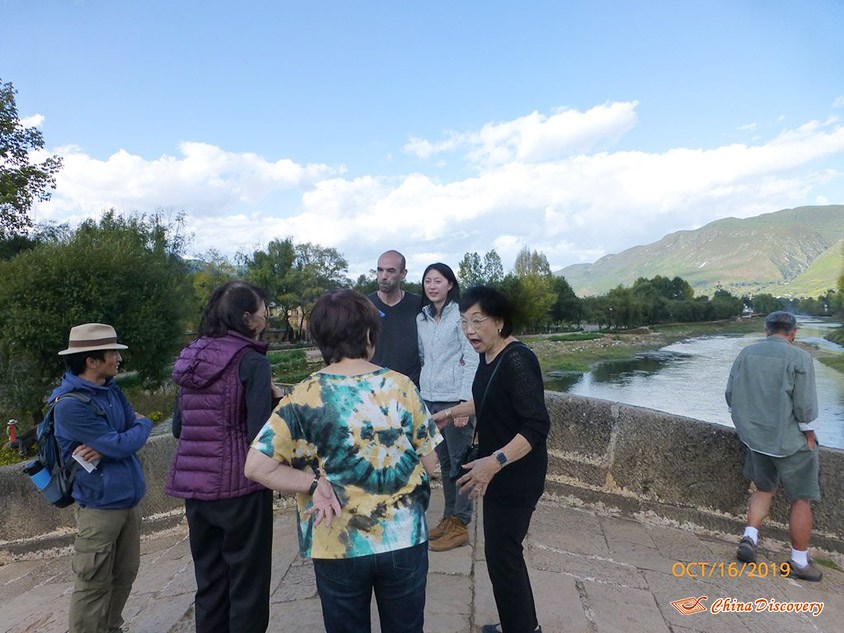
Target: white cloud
(838,103)
(32,121)
(539,186)
(536,137)
(204,180)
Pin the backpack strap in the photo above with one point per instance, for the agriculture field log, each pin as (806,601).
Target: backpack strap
(89,402)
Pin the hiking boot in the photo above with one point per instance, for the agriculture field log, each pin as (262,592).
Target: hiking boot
(746,550)
(442,527)
(456,534)
(810,572)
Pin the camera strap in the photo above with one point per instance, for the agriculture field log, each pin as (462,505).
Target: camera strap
(478,410)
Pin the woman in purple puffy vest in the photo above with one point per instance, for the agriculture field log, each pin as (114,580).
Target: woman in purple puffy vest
(226,394)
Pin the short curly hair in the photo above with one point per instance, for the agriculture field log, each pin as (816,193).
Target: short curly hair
(340,322)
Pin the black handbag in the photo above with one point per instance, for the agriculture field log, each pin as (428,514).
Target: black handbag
(473,450)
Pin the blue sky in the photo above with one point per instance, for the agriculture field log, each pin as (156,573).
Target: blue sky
(576,128)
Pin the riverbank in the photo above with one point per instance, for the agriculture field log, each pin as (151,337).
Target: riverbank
(580,355)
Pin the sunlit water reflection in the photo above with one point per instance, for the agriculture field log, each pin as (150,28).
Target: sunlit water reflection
(689,378)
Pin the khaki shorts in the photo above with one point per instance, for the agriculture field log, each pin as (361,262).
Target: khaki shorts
(798,473)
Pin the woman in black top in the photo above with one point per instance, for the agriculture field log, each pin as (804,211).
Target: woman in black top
(513,423)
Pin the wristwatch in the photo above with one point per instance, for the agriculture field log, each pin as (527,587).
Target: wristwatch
(313,487)
(501,457)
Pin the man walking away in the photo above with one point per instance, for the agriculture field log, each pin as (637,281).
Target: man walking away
(107,434)
(397,347)
(773,400)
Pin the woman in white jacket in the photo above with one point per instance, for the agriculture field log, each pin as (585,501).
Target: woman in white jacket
(448,369)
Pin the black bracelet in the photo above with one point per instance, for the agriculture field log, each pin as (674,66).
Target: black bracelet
(313,487)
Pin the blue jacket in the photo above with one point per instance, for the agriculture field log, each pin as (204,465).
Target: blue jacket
(118,480)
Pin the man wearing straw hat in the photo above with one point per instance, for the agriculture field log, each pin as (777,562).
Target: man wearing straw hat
(106,434)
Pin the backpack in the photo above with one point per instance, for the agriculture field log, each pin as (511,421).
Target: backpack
(50,473)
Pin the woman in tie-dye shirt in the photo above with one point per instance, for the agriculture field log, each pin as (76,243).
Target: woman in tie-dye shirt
(357,443)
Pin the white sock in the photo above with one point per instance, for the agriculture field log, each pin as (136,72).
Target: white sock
(801,559)
(753,533)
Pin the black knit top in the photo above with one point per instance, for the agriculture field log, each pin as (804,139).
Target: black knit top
(515,403)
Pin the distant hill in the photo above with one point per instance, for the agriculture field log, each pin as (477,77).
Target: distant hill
(795,252)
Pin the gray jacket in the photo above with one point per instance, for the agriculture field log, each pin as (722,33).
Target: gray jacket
(448,360)
(772,395)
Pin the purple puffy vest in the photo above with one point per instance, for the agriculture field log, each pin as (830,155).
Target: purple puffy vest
(209,461)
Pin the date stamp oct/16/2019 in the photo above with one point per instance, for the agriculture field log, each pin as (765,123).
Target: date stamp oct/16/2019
(706,569)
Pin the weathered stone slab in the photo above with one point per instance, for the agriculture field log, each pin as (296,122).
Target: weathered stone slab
(616,609)
(299,583)
(593,568)
(625,530)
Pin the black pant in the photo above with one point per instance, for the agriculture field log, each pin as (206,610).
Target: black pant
(231,543)
(504,530)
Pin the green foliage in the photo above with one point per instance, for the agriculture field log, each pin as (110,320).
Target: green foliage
(214,271)
(295,276)
(366,284)
(764,303)
(472,272)
(21,183)
(567,308)
(469,270)
(124,271)
(576,336)
(289,366)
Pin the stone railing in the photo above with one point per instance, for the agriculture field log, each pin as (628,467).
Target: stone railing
(640,460)
(633,459)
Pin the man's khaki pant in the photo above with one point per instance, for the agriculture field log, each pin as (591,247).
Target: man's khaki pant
(107,554)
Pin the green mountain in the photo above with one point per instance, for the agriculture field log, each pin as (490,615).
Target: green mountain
(794,252)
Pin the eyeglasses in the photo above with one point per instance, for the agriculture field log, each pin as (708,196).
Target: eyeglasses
(475,323)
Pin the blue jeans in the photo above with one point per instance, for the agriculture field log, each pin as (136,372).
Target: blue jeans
(449,453)
(399,578)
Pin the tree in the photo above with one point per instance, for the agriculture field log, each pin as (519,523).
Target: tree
(531,263)
(765,303)
(316,270)
(567,307)
(124,271)
(366,284)
(469,270)
(493,269)
(272,270)
(21,183)
(530,289)
(213,271)
(295,276)
(725,305)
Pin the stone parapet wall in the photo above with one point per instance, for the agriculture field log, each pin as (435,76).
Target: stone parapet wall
(639,460)
(630,458)
(28,522)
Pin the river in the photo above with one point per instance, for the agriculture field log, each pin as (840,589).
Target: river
(688,378)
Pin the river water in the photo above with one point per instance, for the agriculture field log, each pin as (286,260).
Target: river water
(688,378)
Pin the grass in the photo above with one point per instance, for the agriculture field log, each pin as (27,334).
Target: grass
(577,336)
(836,362)
(823,562)
(10,456)
(290,366)
(625,344)
(581,360)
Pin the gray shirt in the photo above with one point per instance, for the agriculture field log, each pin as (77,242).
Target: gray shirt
(772,395)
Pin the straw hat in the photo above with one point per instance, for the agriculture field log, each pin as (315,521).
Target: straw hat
(90,337)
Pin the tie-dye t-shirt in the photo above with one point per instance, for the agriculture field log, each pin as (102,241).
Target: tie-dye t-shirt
(366,434)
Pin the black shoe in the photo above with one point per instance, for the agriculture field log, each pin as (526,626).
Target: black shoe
(746,550)
(491,628)
(810,572)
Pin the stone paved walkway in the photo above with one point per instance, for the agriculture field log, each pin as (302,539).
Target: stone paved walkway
(592,572)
